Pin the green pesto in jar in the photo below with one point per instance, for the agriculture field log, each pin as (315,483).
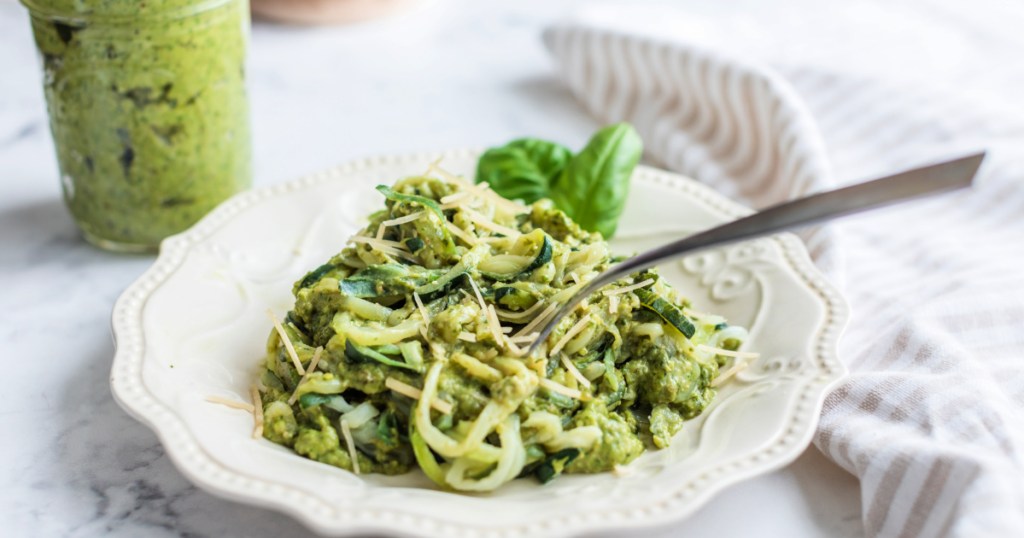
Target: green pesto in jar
(148,111)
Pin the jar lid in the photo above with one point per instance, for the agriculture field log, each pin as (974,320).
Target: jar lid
(86,10)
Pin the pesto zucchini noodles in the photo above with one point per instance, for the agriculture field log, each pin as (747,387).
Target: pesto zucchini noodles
(408,348)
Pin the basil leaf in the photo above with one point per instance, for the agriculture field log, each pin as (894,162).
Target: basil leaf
(523,169)
(592,189)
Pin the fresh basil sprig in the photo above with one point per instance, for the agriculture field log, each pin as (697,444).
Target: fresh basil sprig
(523,169)
(591,186)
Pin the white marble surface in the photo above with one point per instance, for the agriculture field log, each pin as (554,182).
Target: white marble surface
(454,74)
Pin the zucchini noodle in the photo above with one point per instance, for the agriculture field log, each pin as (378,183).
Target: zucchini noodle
(415,335)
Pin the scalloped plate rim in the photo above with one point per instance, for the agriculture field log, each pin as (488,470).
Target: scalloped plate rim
(178,442)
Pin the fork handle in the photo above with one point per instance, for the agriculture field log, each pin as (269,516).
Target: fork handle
(933,179)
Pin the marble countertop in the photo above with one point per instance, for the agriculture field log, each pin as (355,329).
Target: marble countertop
(453,74)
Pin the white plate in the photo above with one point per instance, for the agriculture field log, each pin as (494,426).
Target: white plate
(194,325)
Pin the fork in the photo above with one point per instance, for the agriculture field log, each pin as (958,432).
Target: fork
(900,187)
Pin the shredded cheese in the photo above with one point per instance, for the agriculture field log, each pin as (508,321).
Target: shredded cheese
(493,325)
(573,331)
(728,352)
(386,247)
(561,389)
(485,223)
(421,308)
(467,337)
(461,234)
(287,342)
(627,289)
(575,372)
(454,197)
(402,254)
(415,393)
(234,404)
(481,190)
(423,333)
(346,432)
(513,348)
(537,320)
(735,369)
(395,222)
(613,304)
(377,243)
(524,338)
(312,368)
(257,412)
(476,291)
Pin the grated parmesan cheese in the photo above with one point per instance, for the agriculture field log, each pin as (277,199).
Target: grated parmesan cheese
(395,222)
(525,338)
(513,348)
(476,291)
(481,190)
(234,404)
(494,325)
(415,393)
(257,412)
(537,320)
(421,308)
(454,197)
(613,304)
(561,389)
(346,432)
(287,342)
(386,247)
(461,234)
(575,372)
(488,224)
(573,331)
(467,337)
(735,369)
(627,289)
(312,367)
(373,242)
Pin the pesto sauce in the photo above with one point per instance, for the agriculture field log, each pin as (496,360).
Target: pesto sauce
(645,376)
(148,111)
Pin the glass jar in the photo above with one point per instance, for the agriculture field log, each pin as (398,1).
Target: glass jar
(148,111)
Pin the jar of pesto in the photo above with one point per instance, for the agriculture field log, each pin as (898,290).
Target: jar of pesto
(148,111)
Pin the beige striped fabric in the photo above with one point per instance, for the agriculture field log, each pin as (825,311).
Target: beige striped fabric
(931,418)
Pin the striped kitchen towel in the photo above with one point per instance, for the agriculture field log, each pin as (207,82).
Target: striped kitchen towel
(931,418)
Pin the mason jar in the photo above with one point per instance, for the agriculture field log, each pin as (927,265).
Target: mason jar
(148,111)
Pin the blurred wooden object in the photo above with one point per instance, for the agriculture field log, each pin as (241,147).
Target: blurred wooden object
(327,11)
